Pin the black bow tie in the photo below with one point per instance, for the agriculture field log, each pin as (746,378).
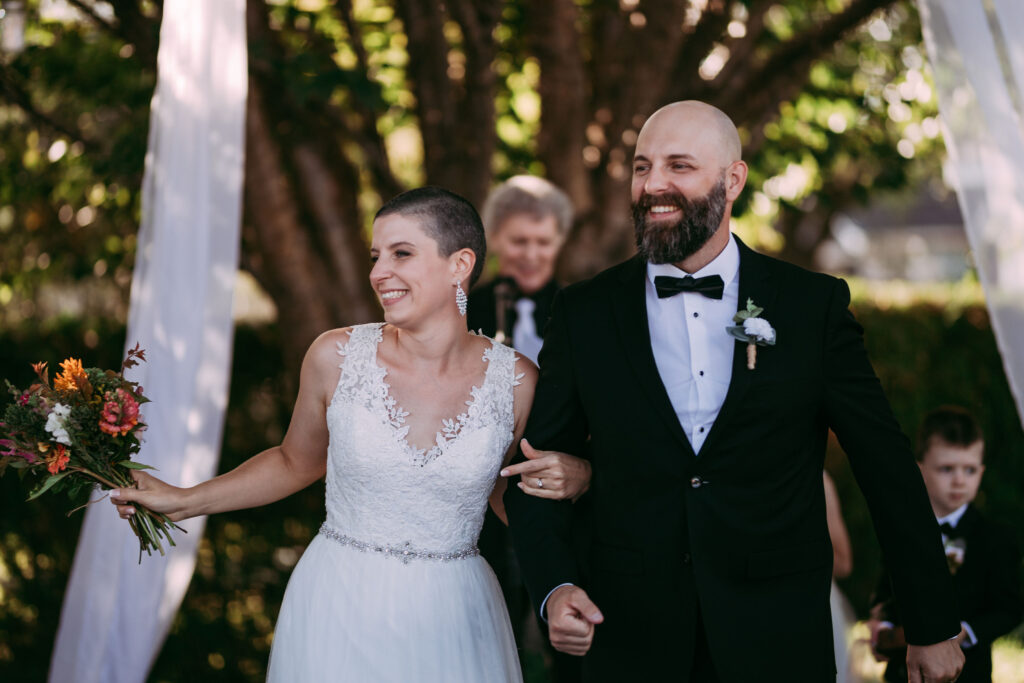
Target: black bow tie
(710,286)
(948,529)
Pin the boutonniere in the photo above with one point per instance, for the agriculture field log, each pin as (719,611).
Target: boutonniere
(753,329)
(956,550)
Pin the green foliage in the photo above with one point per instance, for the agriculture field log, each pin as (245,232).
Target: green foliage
(925,354)
(865,124)
(71,170)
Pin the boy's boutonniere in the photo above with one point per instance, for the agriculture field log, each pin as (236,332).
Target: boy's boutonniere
(956,549)
(754,330)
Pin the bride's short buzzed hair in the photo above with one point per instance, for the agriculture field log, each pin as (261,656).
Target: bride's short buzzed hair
(447,218)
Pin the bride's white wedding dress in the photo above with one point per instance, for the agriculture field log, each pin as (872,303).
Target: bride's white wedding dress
(393,587)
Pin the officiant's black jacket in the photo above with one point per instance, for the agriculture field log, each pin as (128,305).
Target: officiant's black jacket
(987,593)
(737,534)
(481,315)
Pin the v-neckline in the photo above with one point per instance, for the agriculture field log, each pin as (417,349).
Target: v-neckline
(451,428)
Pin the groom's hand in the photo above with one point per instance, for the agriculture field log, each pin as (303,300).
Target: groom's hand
(571,620)
(938,663)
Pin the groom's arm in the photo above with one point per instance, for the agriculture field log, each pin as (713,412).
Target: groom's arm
(541,528)
(879,453)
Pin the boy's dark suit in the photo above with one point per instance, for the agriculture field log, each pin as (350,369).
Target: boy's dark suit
(735,536)
(987,593)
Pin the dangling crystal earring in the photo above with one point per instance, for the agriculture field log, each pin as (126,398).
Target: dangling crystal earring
(460,298)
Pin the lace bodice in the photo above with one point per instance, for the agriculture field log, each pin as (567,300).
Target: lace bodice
(384,493)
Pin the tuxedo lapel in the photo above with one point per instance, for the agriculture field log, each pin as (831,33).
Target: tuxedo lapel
(755,283)
(629,304)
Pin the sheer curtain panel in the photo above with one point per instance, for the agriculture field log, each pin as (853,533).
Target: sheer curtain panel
(116,612)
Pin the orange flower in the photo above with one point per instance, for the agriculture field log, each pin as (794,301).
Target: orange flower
(58,460)
(70,377)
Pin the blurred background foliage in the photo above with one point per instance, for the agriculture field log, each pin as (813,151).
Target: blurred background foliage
(930,345)
(364,98)
(835,108)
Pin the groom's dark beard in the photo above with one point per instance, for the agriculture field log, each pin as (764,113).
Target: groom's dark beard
(674,242)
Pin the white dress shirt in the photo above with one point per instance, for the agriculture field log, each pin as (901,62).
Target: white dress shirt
(692,350)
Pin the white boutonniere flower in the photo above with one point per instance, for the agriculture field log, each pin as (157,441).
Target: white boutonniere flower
(956,550)
(752,329)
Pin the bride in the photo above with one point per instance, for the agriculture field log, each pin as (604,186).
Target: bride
(411,421)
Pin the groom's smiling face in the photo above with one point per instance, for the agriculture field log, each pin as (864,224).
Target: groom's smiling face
(683,185)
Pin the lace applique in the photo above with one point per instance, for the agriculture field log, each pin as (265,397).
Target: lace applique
(363,381)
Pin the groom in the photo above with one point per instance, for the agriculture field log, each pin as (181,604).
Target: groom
(709,557)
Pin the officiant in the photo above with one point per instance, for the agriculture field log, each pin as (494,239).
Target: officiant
(527,220)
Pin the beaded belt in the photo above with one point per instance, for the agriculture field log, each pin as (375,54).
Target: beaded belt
(405,552)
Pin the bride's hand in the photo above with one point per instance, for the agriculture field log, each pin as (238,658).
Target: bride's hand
(550,474)
(154,494)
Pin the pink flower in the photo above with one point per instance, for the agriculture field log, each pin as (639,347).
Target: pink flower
(120,412)
(9,448)
(23,399)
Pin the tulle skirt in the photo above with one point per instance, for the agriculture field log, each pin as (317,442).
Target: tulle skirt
(350,615)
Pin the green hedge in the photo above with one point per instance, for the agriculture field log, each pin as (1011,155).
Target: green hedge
(925,354)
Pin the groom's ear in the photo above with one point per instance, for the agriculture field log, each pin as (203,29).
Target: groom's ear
(735,179)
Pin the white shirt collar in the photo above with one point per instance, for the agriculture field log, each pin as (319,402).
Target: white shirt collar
(726,265)
(953,518)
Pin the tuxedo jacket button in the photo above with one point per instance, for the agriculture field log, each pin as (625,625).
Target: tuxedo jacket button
(686,558)
(696,482)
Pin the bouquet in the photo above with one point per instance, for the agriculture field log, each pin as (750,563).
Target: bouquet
(79,433)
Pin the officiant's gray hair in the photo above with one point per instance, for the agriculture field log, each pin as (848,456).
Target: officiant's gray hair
(447,218)
(530,195)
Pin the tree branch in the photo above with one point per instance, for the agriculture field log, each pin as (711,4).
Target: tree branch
(136,28)
(564,94)
(429,82)
(12,91)
(88,10)
(755,99)
(686,80)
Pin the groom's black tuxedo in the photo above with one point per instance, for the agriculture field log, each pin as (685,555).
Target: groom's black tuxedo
(736,535)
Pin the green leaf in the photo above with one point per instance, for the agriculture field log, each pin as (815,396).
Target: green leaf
(135,465)
(48,484)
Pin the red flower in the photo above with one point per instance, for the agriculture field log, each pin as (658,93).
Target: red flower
(120,412)
(58,460)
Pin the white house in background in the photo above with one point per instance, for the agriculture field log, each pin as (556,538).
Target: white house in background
(919,238)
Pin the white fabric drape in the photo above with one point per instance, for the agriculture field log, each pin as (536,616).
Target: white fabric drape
(117,612)
(977,55)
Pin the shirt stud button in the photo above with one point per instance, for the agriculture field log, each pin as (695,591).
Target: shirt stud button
(696,314)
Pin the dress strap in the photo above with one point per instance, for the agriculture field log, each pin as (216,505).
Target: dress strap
(501,380)
(359,370)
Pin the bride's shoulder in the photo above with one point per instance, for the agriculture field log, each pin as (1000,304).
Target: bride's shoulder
(328,349)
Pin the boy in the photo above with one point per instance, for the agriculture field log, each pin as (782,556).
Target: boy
(983,557)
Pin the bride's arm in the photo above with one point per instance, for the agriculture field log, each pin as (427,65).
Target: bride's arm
(522,399)
(297,462)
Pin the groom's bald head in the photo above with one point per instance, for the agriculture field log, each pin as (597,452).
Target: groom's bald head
(698,124)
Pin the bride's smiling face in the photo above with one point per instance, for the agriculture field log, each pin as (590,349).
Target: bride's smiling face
(409,275)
